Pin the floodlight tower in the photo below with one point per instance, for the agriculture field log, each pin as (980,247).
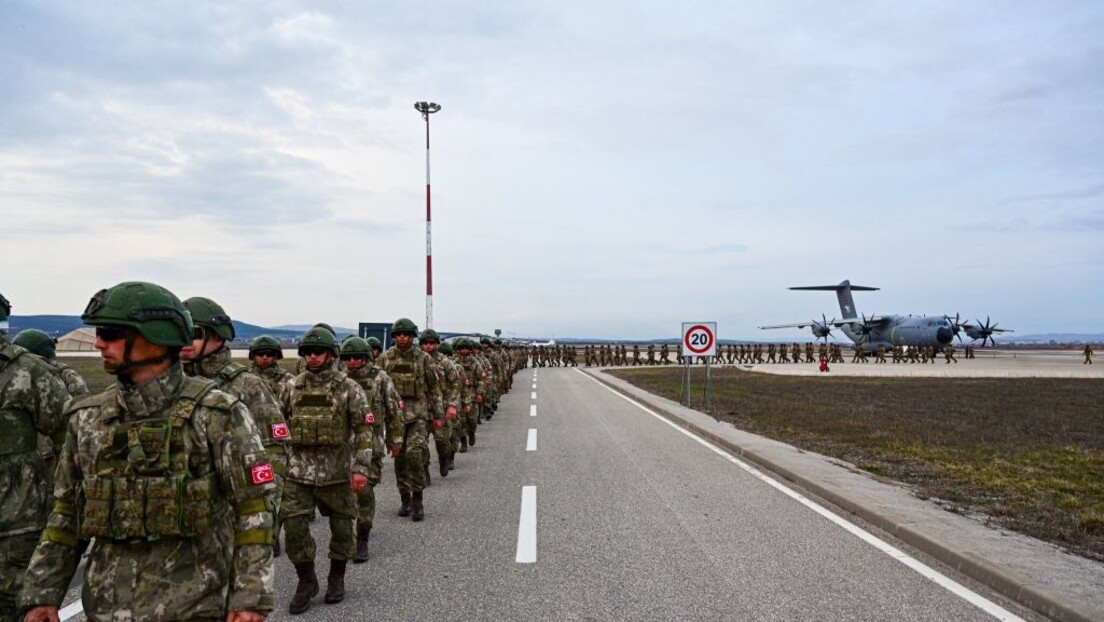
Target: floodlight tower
(428,108)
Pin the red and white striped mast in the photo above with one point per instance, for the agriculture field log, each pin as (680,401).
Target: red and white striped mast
(428,108)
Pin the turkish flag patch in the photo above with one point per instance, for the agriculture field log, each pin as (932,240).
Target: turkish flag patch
(280,431)
(369,417)
(262,473)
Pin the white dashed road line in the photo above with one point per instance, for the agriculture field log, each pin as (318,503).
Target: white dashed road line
(531,442)
(532,410)
(527,527)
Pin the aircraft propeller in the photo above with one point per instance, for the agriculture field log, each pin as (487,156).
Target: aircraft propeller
(866,327)
(956,325)
(985,331)
(822,329)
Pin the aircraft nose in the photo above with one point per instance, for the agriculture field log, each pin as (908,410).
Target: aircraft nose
(944,335)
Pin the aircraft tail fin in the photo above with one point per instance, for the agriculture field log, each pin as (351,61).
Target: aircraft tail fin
(843,294)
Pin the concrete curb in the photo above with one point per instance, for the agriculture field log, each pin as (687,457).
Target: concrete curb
(1038,598)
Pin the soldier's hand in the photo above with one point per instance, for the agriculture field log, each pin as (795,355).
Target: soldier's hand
(358,482)
(395,450)
(467,408)
(245,616)
(450,413)
(438,424)
(42,613)
(478,399)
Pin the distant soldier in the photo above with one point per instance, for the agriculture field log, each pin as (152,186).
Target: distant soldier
(32,403)
(949,353)
(664,354)
(636,355)
(453,392)
(858,355)
(651,354)
(265,354)
(783,353)
(1088,352)
(771,353)
(809,352)
(879,356)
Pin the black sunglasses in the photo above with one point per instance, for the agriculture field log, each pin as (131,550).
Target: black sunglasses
(268,353)
(111,333)
(313,351)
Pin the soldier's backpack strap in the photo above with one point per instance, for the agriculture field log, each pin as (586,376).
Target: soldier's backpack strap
(194,390)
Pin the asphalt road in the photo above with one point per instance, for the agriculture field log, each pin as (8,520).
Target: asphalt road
(634,520)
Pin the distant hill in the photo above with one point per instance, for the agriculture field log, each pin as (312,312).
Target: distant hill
(299,329)
(58,325)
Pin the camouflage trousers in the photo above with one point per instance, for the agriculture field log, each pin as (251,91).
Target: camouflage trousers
(336,502)
(447,439)
(471,420)
(366,499)
(15,556)
(413,457)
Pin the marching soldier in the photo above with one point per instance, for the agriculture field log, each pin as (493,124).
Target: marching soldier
(949,353)
(166,473)
(1088,352)
(454,394)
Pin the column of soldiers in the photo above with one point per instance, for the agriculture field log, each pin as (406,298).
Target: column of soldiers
(192,456)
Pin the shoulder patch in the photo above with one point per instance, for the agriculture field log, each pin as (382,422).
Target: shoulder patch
(90,401)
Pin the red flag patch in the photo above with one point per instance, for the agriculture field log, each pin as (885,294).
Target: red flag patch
(280,431)
(369,417)
(262,473)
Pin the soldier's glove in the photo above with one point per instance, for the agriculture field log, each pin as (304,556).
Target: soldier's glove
(438,424)
(358,482)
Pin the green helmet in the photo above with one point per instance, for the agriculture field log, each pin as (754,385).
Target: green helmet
(429,335)
(404,325)
(208,314)
(152,310)
(326,326)
(445,348)
(37,342)
(265,342)
(355,346)
(374,343)
(318,337)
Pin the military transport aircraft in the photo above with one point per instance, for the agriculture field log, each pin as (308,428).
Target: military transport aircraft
(889,330)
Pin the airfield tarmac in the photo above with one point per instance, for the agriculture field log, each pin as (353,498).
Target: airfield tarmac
(989,363)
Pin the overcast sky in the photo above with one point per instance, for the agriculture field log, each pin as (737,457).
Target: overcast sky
(599,169)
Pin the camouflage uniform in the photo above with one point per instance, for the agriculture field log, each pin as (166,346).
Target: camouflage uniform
(32,403)
(162,474)
(413,374)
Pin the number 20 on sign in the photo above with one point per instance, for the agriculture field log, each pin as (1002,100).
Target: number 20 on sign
(699,338)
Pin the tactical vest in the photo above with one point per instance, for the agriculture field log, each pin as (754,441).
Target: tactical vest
(228,372)
(20,436)
(403,374)
(142,484)
(316,417)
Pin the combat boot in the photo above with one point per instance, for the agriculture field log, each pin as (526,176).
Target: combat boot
(444,462)
(335,583)
(405,509)
(471,439)
(452,461)
(306,590)
(463,444)
(363,529)
(417,512)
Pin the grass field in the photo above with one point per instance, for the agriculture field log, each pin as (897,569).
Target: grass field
(1026,454)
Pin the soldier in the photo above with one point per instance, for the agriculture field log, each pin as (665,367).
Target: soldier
(385,420)
(301,364)
(879,355)
(771,353)
(32,404)
(208,357)
(664,354)
(452,391)
(783,353)
(651,354)
(476,381)
(949,354)
(376,346)
(417,384)
(42,345)
(169,476)
(332,445)
(859,354)
(264,355)
(636,355)
(1088,352)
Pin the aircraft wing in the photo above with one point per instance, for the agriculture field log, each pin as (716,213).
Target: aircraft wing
(801,325)
(877,319)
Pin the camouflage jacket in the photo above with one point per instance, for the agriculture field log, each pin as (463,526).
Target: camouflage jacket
(275,376)
(474,377)
(329,439)
(235,379)
(413,373)
(384,402)
(32,402)
(74,384)
(456,379)
(172,481)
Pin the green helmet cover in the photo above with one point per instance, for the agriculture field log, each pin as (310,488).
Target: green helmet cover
(155,312)
(429,335)
(265,342)
(404,325)
(209,314)
(37,342)
(446,348)
(318,337)
(355,346)
(374,343)
(327,327)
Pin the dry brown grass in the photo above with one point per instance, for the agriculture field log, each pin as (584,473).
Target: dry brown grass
(1024,453)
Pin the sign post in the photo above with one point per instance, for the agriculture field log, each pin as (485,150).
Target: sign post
(699,339)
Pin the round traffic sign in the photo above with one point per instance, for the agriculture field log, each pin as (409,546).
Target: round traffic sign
(698,339)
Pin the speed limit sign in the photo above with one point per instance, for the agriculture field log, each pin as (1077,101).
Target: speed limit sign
(699,338)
